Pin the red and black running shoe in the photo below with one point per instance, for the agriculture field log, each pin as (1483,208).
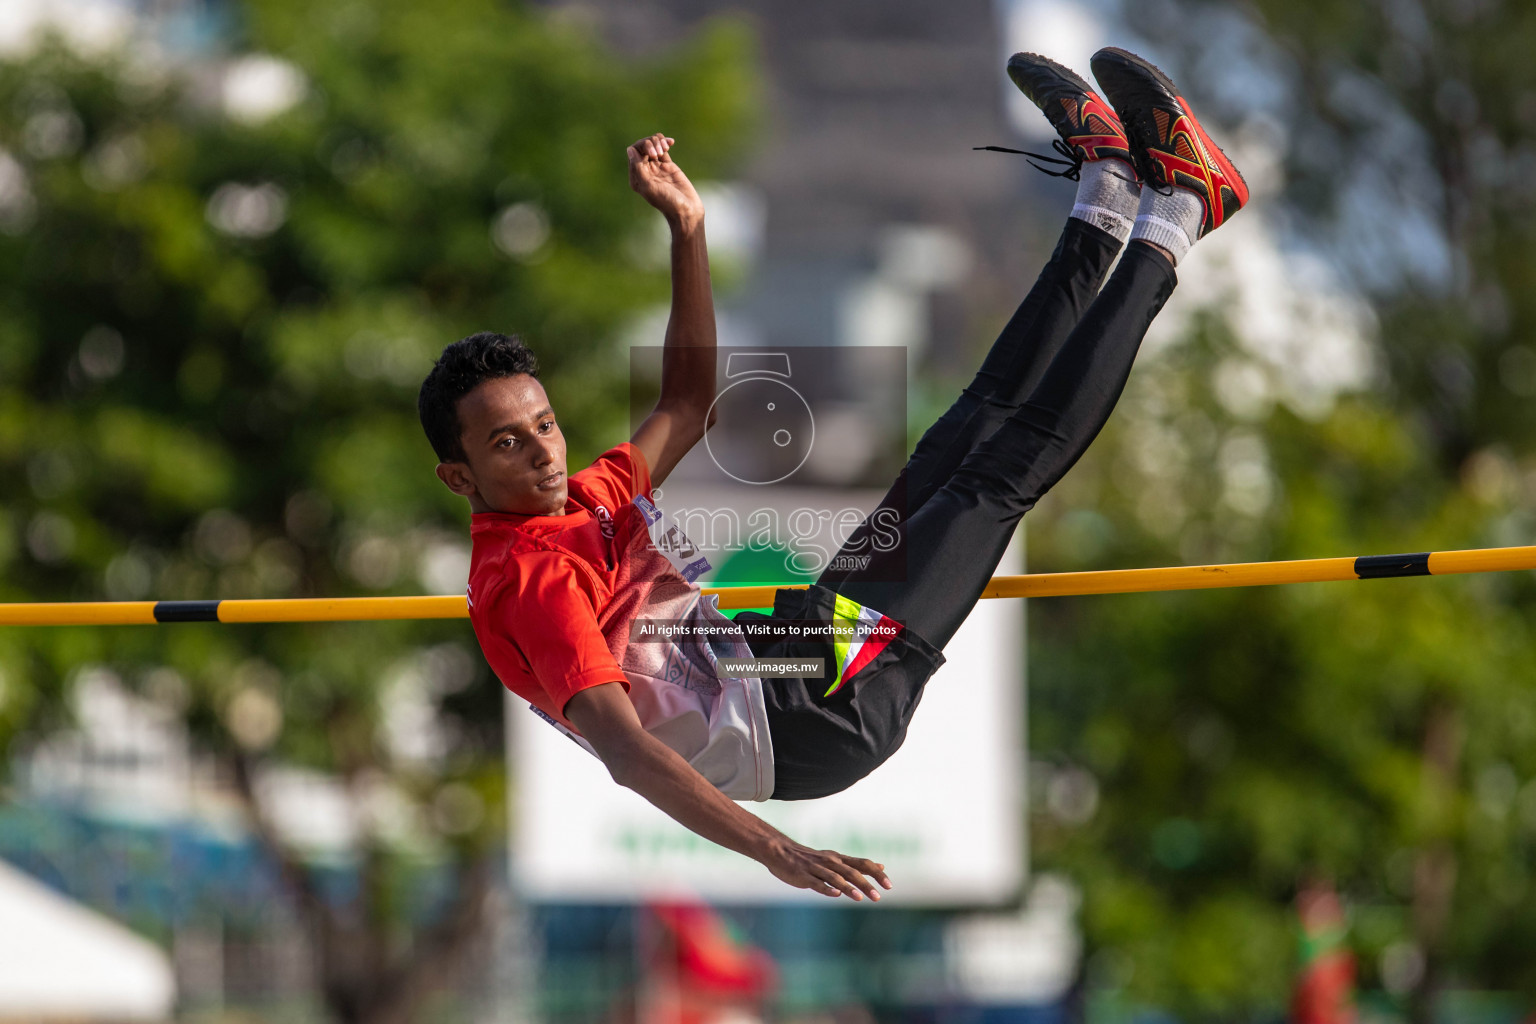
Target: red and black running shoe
(1087,125)
(1168,146)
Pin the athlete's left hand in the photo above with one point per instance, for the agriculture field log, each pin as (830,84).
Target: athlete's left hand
(662,183)
(825,871)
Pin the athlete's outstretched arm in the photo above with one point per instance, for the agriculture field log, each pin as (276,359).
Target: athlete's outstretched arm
(688,359)
(639,761)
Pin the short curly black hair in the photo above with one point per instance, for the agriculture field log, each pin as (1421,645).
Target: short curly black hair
(463,366)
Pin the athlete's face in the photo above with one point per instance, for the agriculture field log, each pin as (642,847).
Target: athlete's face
(514,451)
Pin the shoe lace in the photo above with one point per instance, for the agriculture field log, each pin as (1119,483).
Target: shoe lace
(1149,173)
(1073,163)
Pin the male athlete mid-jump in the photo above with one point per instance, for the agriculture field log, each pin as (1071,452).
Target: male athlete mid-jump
(564,566)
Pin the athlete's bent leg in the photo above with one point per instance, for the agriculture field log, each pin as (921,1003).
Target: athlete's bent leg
(1011,371)
(829,732)
(953,543)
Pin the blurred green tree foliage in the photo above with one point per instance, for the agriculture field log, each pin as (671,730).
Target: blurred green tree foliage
(1210,753)
(214,316)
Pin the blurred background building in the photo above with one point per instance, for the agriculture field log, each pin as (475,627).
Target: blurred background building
(870,219)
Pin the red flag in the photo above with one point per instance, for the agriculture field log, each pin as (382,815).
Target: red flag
(706,958)
(1325,985)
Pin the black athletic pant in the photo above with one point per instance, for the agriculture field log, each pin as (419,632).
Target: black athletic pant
(1041,396)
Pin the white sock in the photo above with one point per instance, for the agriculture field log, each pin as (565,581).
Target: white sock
(1108,197)
(1172,221)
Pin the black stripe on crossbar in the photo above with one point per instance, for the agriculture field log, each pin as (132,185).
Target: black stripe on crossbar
(1381,567)
(186,611)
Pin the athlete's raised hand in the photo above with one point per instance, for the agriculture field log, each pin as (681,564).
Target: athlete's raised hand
(662,183)
(826,871)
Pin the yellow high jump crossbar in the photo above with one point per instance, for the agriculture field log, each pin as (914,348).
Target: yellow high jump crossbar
(1056,584)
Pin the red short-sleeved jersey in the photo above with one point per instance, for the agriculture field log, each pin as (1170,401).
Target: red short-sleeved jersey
(553,600)
(538,585)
